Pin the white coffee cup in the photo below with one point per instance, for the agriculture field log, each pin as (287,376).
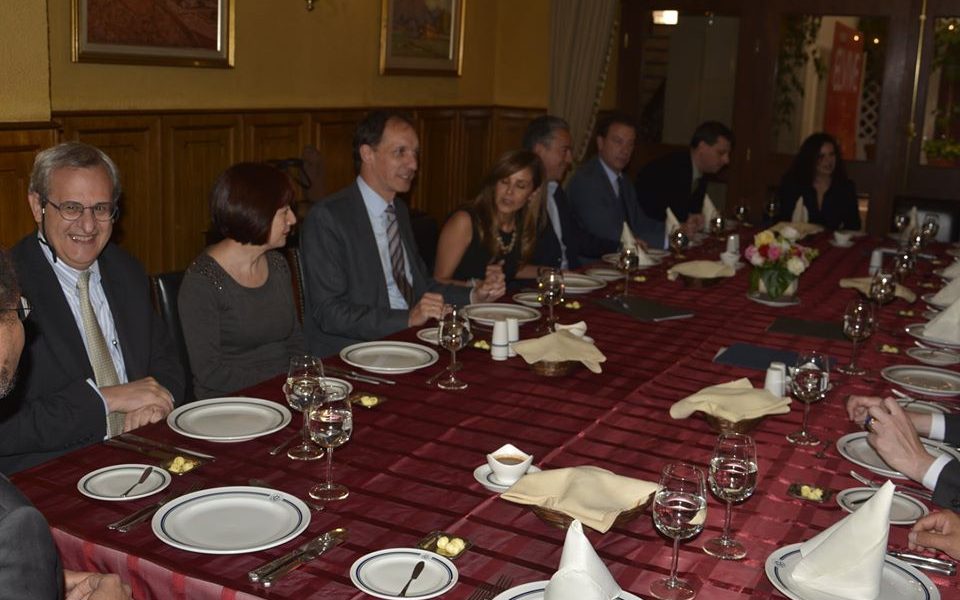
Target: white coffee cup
(730,258)
(508,464)
(513,335)
(499,343)
(776,380)
(842,238)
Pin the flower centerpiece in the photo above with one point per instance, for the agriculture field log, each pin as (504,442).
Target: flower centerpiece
(777,262)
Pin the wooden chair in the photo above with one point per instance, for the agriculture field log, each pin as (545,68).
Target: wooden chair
(165,287)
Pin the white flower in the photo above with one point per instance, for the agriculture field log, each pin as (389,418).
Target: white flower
(790,233)
(756,260)
(795,265)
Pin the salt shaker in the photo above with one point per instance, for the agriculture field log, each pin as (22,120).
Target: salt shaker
(513,335)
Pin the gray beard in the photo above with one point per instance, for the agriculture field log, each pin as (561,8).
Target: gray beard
(7,381)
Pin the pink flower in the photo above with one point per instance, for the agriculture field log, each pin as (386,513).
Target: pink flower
(773,252)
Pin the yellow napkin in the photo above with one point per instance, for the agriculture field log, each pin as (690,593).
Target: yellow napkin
(862,284)
(802,229)
(582,575)
(701,269)
(945,326)
(560,346)
(948,294)
(846,560)
(709,212)
(734,401)
(800,212)
(593,495)
(952,271)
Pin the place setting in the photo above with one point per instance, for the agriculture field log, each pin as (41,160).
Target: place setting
(388,357)
(120,483)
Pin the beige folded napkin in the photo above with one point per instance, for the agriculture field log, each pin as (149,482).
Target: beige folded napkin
(734,401)
(948,294)
(914,221)
(862,285)
(709,212)
(626,236)
(560,346)
(701,269)
(952,271)
(800,212)
(578,329)
(593,495)
(671,222)
(802,229)
(846,560)
(945,326)
(627,239)
(581,575)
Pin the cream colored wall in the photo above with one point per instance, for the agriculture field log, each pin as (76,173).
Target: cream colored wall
(24,66)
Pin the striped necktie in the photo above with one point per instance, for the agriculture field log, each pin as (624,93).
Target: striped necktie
(104,371)
(396,256)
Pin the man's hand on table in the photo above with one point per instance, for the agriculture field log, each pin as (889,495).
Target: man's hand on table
(493,286)
(429,307)
(937,531)
(892,433)
(132,396)
(693,224)
(142,416)
(82,585)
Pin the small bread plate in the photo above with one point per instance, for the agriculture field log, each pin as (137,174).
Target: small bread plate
(534,591)
(484,476)
(917,330)
(604,273)
(530,299)
(229,419)
(855,448)
(780,302)
(389,358)
(903,511)
(934,356)
(487,314)
(384,573)
(898,580)
(109,483)
(929,381)
(575,284)
(928,298)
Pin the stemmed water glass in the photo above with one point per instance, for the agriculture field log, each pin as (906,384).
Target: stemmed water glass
(883,289)
(903,263)
(733,477)
(717,225)
(858,325)
(679,512)
(331,424)
(453,332)
(900,221)
(740,213)
(930,228)
(679,241)
(772,208)
(629,263)
(550,292)
(301,389)
(809,384)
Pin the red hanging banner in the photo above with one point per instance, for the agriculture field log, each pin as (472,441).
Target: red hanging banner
(843,88)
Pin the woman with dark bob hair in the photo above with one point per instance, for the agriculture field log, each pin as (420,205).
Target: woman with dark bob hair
(818,176)
(236,302)
(498,227)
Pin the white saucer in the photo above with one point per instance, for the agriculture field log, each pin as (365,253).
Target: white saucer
(904,510)
(109,483)
(484,476)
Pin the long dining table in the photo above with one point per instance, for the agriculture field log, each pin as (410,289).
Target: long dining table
(410,463)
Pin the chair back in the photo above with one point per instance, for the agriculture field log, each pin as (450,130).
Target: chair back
(165,287)
(292,254)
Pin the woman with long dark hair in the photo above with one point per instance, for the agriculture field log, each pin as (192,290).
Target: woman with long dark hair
(818,176)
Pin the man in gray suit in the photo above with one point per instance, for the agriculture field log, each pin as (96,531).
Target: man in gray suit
(364,277)
(603,198)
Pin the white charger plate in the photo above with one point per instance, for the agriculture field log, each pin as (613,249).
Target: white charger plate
(534,591)
(110,482)
(484,476)
(486,314)
(387,357)
(930,381)
(855,448)
(384,573)
(898,581)
(917,330)
(231,520)
(904,510)
(575,284)
(235,419)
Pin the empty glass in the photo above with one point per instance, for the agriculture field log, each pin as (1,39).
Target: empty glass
(772,208)
(900,222)
(679,512)
(741,212)
(331,425)
(930,228)
(808,383)
(301,390)
(733,477)
(453,333)
(679,241)
(550,292)
(629,263)
(717,225)
(858,325)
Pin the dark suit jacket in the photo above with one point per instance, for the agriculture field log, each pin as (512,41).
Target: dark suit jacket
(601,212)
(947,492)
(346,290)
(839,209)
(53,409)
(665,182)
(29,563)
(579,242)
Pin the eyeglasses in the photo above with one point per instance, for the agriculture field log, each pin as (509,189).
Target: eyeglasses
(24,310)
(71,211)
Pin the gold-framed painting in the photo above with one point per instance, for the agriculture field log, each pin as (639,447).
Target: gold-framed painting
(183,33)
(421,37)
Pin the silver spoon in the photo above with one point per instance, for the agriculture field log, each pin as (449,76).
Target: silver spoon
(143,477)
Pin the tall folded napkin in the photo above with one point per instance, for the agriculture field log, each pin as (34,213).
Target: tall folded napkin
(945,326)
(734,401)
(627,239)
(802,229)
(800,212)
(581,575)
(862,285)
(948,294)
(709,212)
(701,269)
(846,560)
(560,346)
(626,236)
(593,495)
(952,271)
(671,222)
(912,224)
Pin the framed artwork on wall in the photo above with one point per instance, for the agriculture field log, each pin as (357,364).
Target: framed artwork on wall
(183,33)
(421,37)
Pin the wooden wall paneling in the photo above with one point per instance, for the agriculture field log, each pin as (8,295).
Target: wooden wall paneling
(196,149)
(17,150)
(438,188)
(509,124)
(332,134)
(133,142)
(270,136)
(476,143)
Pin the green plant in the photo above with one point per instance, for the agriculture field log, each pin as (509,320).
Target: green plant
(797,48)
(944,148)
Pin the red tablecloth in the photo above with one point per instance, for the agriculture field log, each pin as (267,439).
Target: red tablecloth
(409,465)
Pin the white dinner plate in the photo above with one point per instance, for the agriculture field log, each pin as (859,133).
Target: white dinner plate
(229,419)
(231,520)
(534,591)
(930,381)
(384,573)
(484,476)
(855,448)
(928,298)
(389,357)
(575,284)
(527,299)
(605,273)
(904,510)
(898,581)
(614,258)
(780,302)
(486,314)
(109,483)
(916,330)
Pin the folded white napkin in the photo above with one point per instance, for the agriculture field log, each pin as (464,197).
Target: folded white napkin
(593,495)
(862,284)
(948,294)
(913,220)
(578,329)
(946,325)
(560,346)
(734,401)
(709,212)
(582,575)
(701,269)
(800,212)
(671,222)
(626,236)
(952,271)
(846,560)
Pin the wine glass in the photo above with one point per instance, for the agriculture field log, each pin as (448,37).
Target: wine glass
(550,292)
(741,212)
(331,424)
(733,477)
(858,324)
(629,263)
(679,512)
(811,375)
(903,264)
(453,332)
(915,240)
(900,222)
(772,208)
(930,228)
(717,225)
(679,241)
(883,289)
(301,389)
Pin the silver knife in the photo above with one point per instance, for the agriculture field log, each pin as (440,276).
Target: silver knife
(160,445)
(270,572)
(929,563)
(359,375)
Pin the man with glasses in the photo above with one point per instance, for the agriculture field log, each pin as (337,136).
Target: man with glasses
(98,359)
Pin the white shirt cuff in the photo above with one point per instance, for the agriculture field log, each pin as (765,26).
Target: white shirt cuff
(933,473)
(938,426)
(106,409)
